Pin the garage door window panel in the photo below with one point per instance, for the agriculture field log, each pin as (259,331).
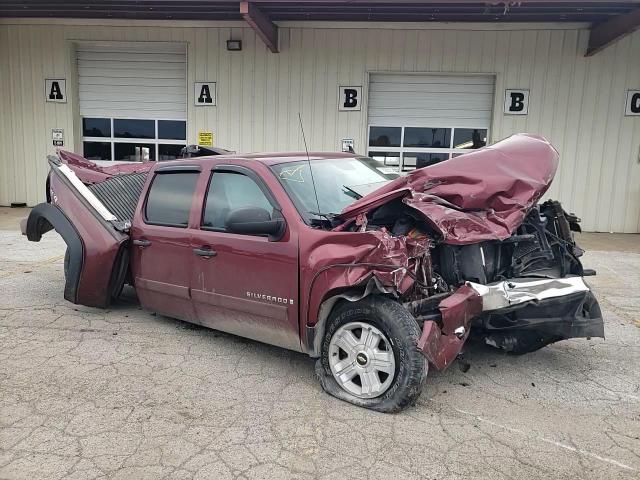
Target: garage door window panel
(427,137)
(96,127)
(133,140)
(385,136)
(469,138)
(130,128)
(172,129)
(134,152)
(169,199)
(169,152)
(97,150)
(389,159)
(413,160)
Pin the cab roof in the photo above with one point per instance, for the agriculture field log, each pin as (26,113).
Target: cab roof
(276,158)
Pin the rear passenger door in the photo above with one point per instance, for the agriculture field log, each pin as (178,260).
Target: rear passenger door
(161,250)
(244,284)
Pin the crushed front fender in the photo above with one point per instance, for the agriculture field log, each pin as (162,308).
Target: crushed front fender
(442,341)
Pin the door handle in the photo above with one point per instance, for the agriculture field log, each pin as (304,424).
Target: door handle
(205,252)
(142,243)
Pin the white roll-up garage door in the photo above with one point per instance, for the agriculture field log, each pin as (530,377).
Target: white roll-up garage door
(133,100)
(419,120)
(139,80)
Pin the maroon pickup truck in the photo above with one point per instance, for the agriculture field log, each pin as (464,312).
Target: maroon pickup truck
(376,276)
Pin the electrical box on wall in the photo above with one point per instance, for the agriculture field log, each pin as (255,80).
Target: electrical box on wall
(57,137)
(347,145)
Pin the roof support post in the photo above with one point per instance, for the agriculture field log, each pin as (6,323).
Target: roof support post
(604,34)
(261,23)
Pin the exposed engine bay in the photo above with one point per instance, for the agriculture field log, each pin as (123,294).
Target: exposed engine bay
(485,258)
(530,282)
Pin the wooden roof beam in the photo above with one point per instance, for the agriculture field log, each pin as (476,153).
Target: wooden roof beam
(262,24)
(604,34)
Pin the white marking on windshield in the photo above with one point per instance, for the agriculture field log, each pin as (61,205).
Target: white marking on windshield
(292,174)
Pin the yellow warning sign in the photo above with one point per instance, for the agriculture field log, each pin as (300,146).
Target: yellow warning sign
(205,139)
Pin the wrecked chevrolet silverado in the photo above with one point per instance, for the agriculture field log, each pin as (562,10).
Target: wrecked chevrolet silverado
(377,276)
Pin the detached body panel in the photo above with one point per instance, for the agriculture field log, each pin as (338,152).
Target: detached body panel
(97,257)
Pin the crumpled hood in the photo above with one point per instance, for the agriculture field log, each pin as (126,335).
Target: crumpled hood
(482,195)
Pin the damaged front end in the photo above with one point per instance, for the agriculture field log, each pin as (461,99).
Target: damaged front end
(523,315)
(494,263)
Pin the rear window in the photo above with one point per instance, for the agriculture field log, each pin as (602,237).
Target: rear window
(169,199)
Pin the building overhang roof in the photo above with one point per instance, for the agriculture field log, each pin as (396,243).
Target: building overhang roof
(610,20)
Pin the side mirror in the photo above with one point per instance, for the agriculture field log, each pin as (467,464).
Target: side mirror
(255,221)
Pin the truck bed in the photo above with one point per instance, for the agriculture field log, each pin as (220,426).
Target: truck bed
(120,194)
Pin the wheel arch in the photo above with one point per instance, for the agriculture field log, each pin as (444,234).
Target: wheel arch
(315,333)
(45,217)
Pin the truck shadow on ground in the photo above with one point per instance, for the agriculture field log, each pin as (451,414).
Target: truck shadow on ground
(479,367)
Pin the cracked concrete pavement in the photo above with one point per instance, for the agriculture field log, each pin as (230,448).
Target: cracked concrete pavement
(123,393)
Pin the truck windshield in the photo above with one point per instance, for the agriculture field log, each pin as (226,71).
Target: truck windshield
(339,182)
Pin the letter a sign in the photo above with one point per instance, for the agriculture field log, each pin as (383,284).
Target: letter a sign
(204,94)
(516,102)
(55,90)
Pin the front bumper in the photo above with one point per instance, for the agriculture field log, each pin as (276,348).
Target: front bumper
(518,315)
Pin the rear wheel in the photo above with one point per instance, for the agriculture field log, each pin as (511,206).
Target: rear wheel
(370,356)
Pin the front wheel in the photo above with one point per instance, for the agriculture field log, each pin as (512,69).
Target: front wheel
(370,356)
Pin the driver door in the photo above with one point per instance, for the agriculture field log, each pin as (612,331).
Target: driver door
(244,284)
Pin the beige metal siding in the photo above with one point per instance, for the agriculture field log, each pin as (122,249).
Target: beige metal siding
(576,102)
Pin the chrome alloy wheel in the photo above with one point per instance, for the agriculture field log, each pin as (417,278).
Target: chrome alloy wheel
(362,360)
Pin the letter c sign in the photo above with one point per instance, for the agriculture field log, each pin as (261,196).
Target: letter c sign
(516,102)
(349,98)
(632,107)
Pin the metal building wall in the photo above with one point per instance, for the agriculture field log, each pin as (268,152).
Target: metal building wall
(576,102)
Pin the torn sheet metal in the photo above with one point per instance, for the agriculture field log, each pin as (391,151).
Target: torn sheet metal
(517,315)
(348,259)
(441,345)
(511,292)
(482,195)
(89,172)
(529,326)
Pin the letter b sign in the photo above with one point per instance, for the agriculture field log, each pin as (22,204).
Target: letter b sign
(349,98)
(516,102)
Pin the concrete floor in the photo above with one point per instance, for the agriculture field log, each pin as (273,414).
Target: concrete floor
(122,393)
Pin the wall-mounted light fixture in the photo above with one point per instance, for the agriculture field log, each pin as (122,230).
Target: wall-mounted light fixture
(234,45)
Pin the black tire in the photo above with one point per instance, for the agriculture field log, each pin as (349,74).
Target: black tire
(402,332)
